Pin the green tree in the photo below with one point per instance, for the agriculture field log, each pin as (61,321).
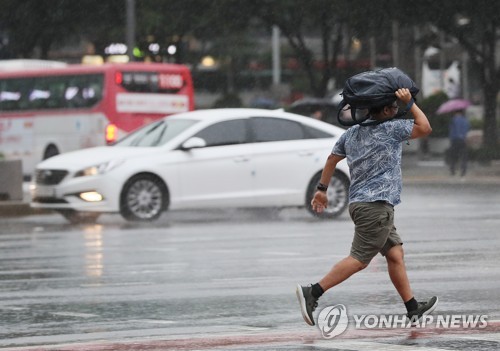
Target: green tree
(295,20)
(335,22)
(476,26)
(220,26)
(173,21)
(31,24)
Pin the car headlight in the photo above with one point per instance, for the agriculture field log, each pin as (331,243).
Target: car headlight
(99,169)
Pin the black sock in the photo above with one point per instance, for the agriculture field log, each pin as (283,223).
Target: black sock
(317,290)
(411,304)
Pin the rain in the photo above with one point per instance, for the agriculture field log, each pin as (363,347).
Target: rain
(118,235)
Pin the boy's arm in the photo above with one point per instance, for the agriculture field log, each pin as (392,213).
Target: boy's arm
(320,199)
(421,125)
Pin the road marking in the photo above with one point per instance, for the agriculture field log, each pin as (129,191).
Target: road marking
(249,328)
(13,308)
(152,321)
(257,337)
(226,251)
(282,253)
(103,285)
(370,346)
(484,337)
(74,314)
(245,279)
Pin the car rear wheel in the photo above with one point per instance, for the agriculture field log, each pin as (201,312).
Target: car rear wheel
(338,195)
(143,198)
(75,217)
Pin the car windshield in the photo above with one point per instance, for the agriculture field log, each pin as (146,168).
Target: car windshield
(157,133)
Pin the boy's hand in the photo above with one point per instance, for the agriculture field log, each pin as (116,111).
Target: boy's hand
(404,95)
(319,201)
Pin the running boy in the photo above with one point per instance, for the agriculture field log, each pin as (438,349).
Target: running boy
(374,157)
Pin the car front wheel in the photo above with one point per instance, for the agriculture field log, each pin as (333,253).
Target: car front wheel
(338,196)
(143,198)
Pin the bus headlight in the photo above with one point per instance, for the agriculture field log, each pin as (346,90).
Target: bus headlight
(99,169)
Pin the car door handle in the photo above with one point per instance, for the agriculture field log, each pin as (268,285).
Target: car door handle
(241,159)
(306,153)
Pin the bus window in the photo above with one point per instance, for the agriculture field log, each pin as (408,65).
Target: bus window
(78,106)
(61,92)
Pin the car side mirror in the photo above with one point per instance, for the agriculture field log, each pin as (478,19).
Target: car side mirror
(193,143)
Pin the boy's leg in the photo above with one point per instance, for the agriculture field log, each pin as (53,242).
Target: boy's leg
(397,272)
(341,271)
(373,222)
(394,254)
(372,225)
(306,295)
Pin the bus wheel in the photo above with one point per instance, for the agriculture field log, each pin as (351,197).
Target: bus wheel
(50,151)
(75,217)
(143,198)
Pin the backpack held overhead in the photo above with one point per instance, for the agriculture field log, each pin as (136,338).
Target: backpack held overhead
(370,89)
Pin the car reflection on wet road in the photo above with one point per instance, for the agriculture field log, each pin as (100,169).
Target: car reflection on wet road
(203,275)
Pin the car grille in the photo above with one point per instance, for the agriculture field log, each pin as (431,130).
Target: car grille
(49,176)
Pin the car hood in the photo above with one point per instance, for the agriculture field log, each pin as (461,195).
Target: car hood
(77,160)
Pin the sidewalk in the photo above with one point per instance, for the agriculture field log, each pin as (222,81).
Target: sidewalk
(435,171)
(20,207)
(415,171)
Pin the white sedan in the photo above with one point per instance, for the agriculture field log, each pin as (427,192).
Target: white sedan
(217,158)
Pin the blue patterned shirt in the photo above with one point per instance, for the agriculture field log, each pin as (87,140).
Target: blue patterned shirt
(373,155)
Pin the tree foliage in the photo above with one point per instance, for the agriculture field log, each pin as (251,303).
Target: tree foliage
(222,27)
(476,26)
(31,24)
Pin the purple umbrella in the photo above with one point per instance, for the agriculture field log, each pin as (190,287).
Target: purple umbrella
(453,105)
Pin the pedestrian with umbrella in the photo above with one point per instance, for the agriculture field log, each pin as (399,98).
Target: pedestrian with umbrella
(458,128)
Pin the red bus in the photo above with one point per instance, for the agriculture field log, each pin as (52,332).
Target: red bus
(44,112)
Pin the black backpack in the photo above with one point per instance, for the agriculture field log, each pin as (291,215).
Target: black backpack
(373,89)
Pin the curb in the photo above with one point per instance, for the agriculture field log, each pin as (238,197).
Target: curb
(18,209)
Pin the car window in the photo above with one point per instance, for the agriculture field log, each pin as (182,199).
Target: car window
(225,133)
(275,129)
(156,134)
(314,133)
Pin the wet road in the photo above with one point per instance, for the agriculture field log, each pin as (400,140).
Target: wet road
(226,279)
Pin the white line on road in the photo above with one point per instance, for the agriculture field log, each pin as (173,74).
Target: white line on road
(245,279)
(369,346)
(8,308)
(282,253)
(484,337)
(152,321)
(252,329)
(102,285)
(74,314)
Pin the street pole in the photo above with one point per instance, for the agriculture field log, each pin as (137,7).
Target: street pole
(417,55)
(130,29)
(373,53)
(276,55)
(395,43)
(442,60)
(465,76)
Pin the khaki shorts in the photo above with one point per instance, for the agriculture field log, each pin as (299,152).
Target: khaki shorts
(374,230)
